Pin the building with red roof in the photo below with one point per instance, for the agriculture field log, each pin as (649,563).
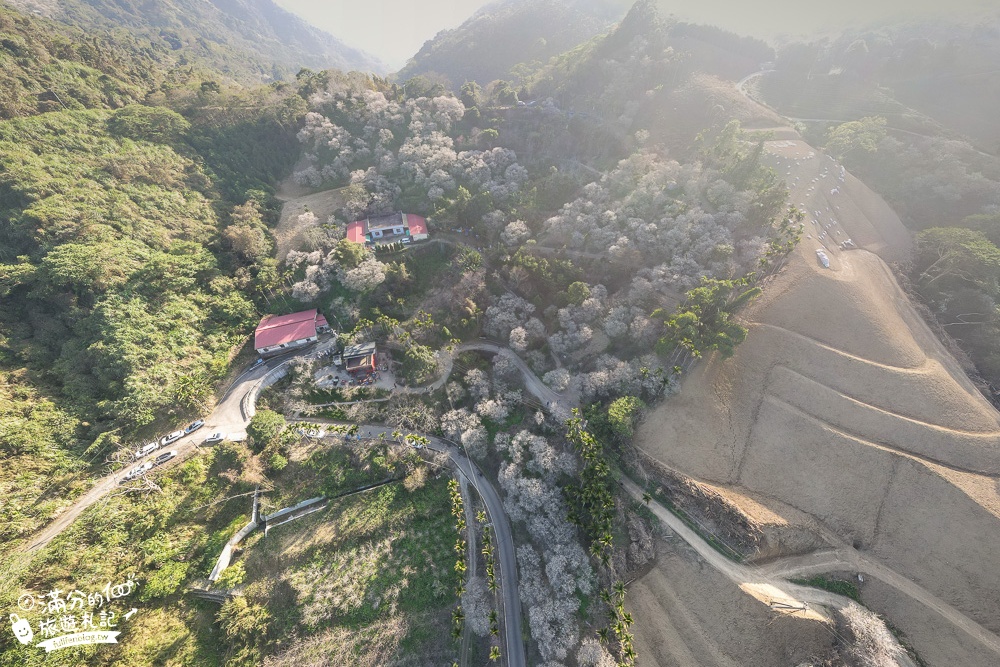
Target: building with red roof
(391,228)
(280,333)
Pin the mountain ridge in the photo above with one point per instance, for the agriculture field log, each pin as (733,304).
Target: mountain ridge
(252,41)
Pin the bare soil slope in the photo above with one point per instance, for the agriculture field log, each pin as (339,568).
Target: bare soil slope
(842,404)
(690,615)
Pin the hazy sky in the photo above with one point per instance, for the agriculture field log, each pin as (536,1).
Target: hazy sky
(767,18)
(394,30)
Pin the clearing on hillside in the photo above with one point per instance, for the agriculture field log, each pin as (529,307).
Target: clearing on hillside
(368,579)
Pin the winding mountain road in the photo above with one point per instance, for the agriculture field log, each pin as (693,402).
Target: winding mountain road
(227,417)
(231,416)
(506,558)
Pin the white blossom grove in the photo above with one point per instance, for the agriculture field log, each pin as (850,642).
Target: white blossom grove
(551,579)
(356,134)
(682,218)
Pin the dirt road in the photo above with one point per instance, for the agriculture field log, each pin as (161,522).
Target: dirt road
(770,585)
(843,405)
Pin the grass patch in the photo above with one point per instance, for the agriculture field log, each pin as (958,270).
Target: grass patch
(365,561)
(331,412)
(839,586)
(165,540)
(345,394)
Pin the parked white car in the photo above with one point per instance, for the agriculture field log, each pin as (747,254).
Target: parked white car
(170,438)
(146,450)
(136,472)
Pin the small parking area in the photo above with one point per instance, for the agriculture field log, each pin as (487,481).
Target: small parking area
(331,377)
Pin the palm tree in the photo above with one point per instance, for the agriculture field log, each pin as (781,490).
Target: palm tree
(619,589)
(603,635)
(494,653)
(646,498)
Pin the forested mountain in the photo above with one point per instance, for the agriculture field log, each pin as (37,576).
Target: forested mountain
(648,81)
(926,77)
(510,32)
(133,242)
(245,40)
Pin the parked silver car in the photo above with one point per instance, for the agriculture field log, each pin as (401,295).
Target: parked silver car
(164,457)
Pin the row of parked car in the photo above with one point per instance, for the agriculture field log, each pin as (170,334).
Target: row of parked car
(168,439)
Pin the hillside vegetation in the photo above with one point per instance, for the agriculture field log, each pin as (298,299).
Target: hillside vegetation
(249,41)
(47,67)
(508,33)
(120,305)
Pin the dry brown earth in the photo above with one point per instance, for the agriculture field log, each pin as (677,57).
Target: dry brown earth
(842,405)
(690,615)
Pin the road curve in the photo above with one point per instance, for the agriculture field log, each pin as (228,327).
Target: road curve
(532,382)
(769,583)
(229,417)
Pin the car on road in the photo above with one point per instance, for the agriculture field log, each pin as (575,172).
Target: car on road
(146,449)
(164,457)
(218,436)
(136,472)
(194,426)
(171,437)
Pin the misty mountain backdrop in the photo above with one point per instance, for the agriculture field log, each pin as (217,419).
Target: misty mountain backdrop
(248,40)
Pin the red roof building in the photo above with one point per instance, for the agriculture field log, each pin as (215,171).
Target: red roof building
(391,228)
(280,333)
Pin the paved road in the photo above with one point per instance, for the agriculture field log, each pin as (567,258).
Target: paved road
(741,87)
(506,558)
(227,417)
(231,416)
(769,583)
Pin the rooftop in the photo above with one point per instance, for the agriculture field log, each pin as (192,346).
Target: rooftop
(277,329)
(359,350)
(387,220)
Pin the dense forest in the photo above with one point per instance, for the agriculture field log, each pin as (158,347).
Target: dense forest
(248,41)
(134,245)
